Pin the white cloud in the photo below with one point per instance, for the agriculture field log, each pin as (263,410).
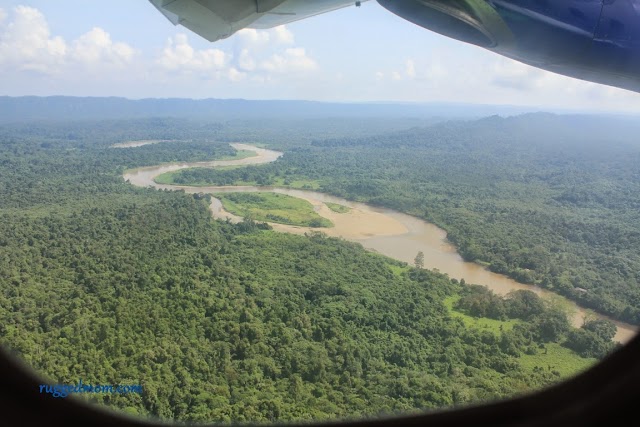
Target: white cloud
(264,52)
(178,54)
(275,63)
(379,75)
(396,76)
(410,68)
(293,60)
(235,75)
(26,42)
(253,37)
(245,61)
(283,35)
(277,35)
(95,48)
(299,61)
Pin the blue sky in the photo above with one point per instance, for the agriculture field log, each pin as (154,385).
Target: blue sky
(126,48)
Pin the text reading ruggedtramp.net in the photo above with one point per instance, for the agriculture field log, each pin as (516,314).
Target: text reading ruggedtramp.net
(63,390)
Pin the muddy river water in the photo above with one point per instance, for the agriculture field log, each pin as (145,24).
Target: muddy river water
(385,231)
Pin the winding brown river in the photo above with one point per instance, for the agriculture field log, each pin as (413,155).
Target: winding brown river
(385,231)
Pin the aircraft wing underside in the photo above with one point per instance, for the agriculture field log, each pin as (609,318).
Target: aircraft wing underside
(219,19)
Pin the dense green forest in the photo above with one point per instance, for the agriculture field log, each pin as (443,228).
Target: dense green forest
(546,199)
(115,284)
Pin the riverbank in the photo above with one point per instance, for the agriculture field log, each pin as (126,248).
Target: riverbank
(388,232)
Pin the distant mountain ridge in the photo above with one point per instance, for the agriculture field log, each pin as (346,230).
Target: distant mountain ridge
(534,129)
(65,108)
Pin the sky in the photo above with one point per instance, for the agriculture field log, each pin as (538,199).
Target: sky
(128,49)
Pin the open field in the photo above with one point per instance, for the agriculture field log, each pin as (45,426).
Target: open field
(552,357)
(272,207)
(240,154)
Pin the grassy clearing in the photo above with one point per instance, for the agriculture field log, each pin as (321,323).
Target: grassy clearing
(398,270)
(166,178)
(302,184)
(553,357)
(240,154)
(337,208)
(272,207)
(559,358)
(479,322)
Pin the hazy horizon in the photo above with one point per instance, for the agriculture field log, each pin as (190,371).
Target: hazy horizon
(522,108)
(23,109)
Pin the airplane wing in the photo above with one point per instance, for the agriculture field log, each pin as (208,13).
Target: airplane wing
(219,19)
(593,40)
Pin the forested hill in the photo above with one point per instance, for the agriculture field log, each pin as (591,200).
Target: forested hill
(58,108)
(530,131)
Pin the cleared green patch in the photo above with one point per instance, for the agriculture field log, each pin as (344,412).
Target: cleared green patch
(397,269)
(552,357)
(337,208)
(240,154)
(479,322)
(166,178)
(298,183)
(273,207)
(558,358)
